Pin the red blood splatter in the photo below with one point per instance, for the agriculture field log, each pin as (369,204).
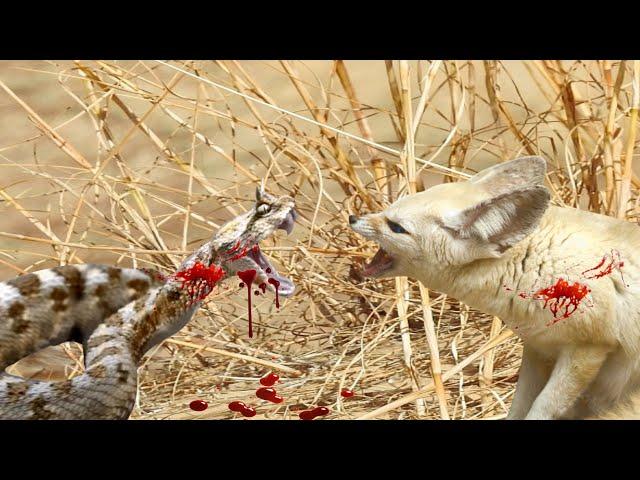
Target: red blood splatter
(600,274)
(268,270)
(269,394)
(562,295)
(199,280)
(255,249)
(263,287)
(238,256)
(567,296)
(198,405)
(313,413)
(235,247)
(508,289)
(346,393)
(240,407)
(276,285)
(256,293)
(270,379)
(615,262)
(241,284)
(247,276)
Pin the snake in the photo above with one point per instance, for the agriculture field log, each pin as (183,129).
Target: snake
(118,314)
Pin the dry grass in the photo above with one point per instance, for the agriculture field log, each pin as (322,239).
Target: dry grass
(136,163)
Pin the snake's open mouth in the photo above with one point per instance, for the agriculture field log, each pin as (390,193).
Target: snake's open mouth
(265,271)
(285,285)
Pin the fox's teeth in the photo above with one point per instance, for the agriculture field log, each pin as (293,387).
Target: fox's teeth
(380,262)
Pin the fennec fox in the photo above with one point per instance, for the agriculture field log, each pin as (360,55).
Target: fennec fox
(565,280)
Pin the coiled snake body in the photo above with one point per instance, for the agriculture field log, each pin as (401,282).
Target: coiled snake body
(118,314)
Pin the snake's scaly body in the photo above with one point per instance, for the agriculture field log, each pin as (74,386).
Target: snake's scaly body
(118,315)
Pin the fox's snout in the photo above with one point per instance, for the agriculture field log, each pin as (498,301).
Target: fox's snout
(364,225)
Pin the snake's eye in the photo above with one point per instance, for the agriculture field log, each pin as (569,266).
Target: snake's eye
(263,209)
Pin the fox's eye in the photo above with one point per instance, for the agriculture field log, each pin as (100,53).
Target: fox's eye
(396,227)
(263,208)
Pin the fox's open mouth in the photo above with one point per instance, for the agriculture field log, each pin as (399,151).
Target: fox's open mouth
(380,263)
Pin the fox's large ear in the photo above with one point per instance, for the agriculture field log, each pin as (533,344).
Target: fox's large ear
(501,221)
(521,172)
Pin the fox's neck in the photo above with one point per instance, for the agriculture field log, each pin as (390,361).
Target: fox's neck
(489,285)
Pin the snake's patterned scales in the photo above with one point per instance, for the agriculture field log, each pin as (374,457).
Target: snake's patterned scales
(118,314)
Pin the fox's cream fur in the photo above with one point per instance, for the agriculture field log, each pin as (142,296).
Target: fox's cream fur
(493,242)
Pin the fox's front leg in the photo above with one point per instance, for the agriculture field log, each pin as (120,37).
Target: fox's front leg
(532,377)
(575,368)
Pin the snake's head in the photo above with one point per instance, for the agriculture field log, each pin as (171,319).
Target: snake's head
(236,244)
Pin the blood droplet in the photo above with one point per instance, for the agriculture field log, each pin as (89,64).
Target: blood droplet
(268,270)
(240,407)
(256,293)
(270,379)
(247,276)
(276,285)
(269,394)
(347,393)
(198,405)
(199,280)
(248,412)
(241,284)
(236,406)
(313,413)
(263,287)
